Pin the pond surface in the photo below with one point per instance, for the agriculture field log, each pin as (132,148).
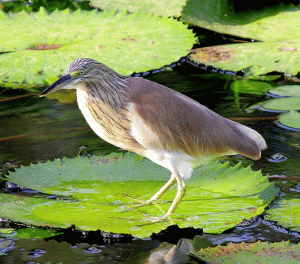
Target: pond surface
(34,129)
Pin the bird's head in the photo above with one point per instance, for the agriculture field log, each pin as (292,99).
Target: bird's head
(79,73)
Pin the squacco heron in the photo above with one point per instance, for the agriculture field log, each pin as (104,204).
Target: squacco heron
(156,122)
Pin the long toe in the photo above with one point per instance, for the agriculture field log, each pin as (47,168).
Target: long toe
(150,219)
(137,203)
(132,207)
(142,202)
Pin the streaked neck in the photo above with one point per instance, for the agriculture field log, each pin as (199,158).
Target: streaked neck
(109,90)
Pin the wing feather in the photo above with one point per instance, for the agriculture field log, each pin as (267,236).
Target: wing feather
(163,118)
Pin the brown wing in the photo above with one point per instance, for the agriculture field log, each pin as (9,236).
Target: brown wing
(184,125)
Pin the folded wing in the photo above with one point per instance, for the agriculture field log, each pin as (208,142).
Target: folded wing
(165,119)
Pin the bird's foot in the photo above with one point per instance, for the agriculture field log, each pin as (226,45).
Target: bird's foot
(154,219)
(141,203)
(137,200)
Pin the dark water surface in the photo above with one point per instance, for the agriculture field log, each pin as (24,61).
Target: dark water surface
(34,129)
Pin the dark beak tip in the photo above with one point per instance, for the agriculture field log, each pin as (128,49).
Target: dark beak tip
(44,93)
(54,85)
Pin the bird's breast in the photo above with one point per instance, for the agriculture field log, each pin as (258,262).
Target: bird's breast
(109,124)
(89,117)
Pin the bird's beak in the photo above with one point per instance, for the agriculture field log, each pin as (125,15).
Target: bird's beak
(58,84)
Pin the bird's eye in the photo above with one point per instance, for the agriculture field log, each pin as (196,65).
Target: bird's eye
(80,73)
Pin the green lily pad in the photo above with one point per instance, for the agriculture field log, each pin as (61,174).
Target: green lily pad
(28,233)
(290,119)
(275,22)
(288,102)
(277,26)
(254,59)
(158,8)
(35,233)
(282,104)
(6,231)
(285,211)
(260,252)
(93,190)
(286,90)
(278,104)
(39,45)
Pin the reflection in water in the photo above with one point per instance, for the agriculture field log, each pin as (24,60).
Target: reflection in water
(171,254)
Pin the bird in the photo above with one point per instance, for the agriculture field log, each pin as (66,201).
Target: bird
(156,122)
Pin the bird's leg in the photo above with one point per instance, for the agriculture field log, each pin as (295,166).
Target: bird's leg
(158,194)
(163,189)
(181,187)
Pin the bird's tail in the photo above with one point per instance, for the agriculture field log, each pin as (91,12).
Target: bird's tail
(253,142)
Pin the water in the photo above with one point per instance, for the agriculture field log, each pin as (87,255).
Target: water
(37,129)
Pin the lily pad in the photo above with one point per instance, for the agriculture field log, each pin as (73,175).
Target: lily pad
(92,190)
(38,46)
(254,59)
(279,105)
(285,211)
(28,233)
(279,21)
(282,104)
(290,120)
(288,102)
(158,8)
(6,231)
(286,91)
(260,252)
(277,27)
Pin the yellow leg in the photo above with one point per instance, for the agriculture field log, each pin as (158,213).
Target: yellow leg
(158,194)
(163,189)
(181,187)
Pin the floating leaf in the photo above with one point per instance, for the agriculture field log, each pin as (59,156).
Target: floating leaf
(282,104)
(288,102)
(285,211)
(94,190)
(28,233)
(276,22)
(290,119)
(286,90)
(6,231)
(279,104)
(254,59)
(35,233)
(44,44)
(158,8)
(279,52)
(260,252)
